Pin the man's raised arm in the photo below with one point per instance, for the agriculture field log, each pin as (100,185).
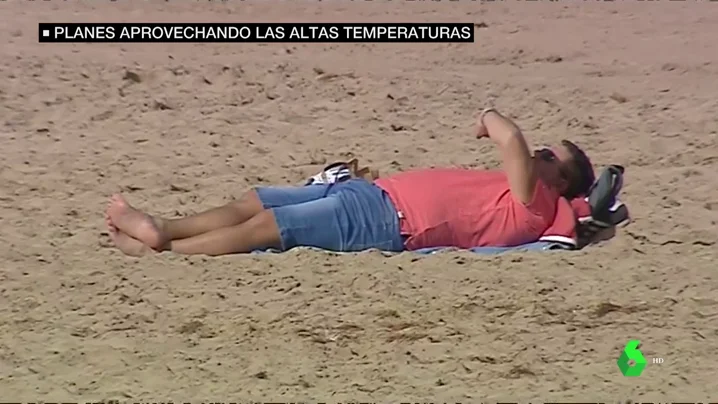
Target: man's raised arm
(515,153)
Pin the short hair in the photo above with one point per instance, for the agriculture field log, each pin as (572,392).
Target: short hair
(581,177)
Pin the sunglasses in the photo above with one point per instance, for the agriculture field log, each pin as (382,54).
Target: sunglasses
(546,155)
(549,156)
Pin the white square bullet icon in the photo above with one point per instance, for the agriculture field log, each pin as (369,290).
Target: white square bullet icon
(45,32)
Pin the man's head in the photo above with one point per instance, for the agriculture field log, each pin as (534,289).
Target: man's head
(566,168)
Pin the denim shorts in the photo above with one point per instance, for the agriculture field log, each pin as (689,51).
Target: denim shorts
(354,215)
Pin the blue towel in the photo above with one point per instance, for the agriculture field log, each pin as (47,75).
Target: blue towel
(537,246)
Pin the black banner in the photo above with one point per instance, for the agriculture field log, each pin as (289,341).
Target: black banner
(266,33)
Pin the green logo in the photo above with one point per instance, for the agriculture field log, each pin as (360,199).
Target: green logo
(631,354)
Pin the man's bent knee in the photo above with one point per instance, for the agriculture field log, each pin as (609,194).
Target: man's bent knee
(263,219)
(249,201)
(264,230)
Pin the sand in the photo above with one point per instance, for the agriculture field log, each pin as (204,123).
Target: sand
(633,82)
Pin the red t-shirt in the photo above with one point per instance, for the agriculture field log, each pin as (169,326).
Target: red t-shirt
(466,208)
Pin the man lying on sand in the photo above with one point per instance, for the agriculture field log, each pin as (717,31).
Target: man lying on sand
(407,211)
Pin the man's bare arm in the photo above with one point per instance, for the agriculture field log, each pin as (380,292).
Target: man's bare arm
(515,153)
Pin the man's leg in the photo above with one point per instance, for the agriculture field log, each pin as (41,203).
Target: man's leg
(357,216)
(231,214)
(157,232)
(259,232)
(241,210)
(317,223)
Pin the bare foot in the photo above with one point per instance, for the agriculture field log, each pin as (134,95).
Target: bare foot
(125,243)
(135,224)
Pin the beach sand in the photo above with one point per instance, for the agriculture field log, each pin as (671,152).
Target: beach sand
(179,128)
